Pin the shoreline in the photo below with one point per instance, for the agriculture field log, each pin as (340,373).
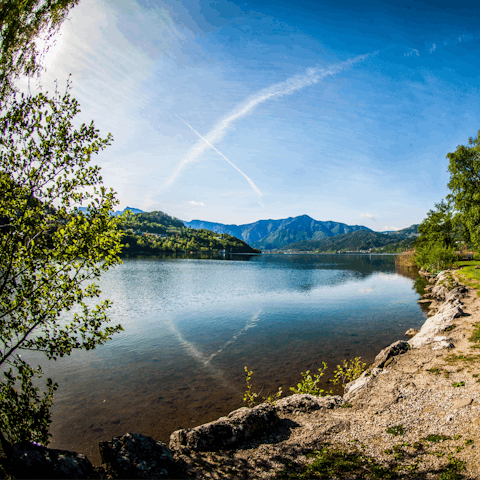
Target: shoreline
(389,393)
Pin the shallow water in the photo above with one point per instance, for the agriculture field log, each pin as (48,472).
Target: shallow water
(191,325)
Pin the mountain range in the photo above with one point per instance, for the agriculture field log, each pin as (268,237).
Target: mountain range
(274,234)
(301,233)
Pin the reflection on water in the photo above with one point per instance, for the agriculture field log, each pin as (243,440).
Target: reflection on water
(191,325)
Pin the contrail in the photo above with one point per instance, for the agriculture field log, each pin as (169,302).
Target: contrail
(192,350)
(250,324)
(291,85)
(249,180)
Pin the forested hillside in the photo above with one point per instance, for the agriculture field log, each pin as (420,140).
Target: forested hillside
(356,241)
(157,232)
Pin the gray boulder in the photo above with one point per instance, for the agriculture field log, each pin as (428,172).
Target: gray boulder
(436,325)
(392,350)
(456,294)
(411,332)
(356,387)
(303,402)
(134,455)
(239,426)
(35,461)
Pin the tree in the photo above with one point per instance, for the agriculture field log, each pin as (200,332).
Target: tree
(51,253)
(464,168)
(438,226)
(22,23)
(435,246)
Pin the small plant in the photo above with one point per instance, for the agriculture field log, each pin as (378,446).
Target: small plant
(250,398)
(397,430)
(309,384)
(435,370)
(348,371)
(457,437)
(468,442)
(458,384)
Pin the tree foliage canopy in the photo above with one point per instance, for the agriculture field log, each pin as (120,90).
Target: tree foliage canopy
(50,252)
(464,168)
(23,23)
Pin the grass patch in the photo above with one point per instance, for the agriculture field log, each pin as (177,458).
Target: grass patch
(397,430)
(335,463)
(467,273)
(332,462)
(435,370)
(467,263)
(458,384)
(434,438)
(475,338)
(452,470)
(453,358)
(450,328)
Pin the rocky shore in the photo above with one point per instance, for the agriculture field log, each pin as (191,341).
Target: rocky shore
(415,413)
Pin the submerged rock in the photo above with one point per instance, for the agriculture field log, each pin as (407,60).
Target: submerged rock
(303,402)
(239,426)
(35,461)
(134,455)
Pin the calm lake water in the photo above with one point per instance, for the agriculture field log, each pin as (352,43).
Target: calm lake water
(191,325)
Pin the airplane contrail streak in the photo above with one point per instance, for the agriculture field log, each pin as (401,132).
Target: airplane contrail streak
(249,180)
(289,86)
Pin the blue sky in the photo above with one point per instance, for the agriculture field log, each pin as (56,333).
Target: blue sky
(238,111)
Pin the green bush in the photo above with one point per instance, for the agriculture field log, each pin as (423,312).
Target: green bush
(309,384)
(436,255)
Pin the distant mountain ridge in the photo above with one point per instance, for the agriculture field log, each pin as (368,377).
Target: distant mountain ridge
(361,240)
(273,234)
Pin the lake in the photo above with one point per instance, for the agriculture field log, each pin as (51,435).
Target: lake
(192,325)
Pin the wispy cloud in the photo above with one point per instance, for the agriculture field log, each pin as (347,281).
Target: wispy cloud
(433,48)
(200,204)
(289,86)
(249,180)
(411,52)
(367,215)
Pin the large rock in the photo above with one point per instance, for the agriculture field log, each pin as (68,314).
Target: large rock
(436,325)
(456,294)
(392,350)
(440,291)
(354,388)
(239,426)
(35,461)
(134,455)
(303,402)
